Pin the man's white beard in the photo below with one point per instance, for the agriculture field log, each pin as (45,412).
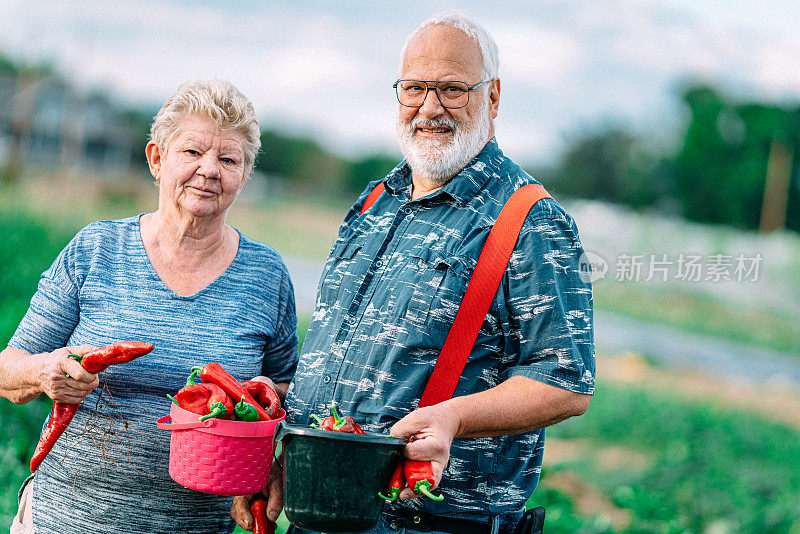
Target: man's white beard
(439,160)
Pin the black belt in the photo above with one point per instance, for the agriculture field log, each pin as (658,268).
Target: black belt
(424,522)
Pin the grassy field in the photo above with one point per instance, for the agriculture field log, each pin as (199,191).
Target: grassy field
(306,227)
(658,451)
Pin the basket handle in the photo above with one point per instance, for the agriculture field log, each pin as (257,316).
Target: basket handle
(162,424)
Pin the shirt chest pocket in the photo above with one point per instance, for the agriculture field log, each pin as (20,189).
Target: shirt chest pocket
(440,283)
(341,270)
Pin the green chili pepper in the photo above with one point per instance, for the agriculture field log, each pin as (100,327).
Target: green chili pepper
(245,411)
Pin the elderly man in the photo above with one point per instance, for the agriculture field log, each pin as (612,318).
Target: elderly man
(395,278)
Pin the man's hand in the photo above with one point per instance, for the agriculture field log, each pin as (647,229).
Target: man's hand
(430,431)
(273,494)
(63,379)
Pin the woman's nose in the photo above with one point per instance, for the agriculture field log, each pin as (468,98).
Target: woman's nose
(209,167)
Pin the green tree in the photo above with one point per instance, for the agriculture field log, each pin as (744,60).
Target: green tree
(611,164)
(721,167)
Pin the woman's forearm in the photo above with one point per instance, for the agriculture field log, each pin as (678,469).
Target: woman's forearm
(18,382)
(281,388)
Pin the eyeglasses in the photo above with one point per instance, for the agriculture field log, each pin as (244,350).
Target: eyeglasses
(451,94)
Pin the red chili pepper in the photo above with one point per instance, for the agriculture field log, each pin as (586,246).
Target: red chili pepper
(419,476)
(336,423)
(261,525)
(207,400)
(219,404)
(213,373)
(94,361)
(116,353)
(396,484)
(350,426)
(265,396)
(329,423)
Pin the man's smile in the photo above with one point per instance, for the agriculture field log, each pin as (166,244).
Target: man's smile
(433,131)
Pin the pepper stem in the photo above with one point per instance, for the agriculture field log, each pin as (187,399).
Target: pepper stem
(338,420)
(196,370)
(173,399)
(317,419)
(394,493)
(423,488)
(76,358)
(217,410)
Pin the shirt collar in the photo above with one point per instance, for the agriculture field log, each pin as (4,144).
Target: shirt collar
(463,186)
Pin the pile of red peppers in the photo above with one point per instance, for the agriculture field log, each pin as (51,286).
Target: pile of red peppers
(417,475)
(220,395)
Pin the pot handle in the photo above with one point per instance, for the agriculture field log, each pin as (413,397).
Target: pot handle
(162,424)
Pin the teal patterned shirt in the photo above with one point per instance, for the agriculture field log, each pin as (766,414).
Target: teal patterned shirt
(389,292)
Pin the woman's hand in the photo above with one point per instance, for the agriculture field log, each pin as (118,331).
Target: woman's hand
(63,379)
(430,431)
(273,494)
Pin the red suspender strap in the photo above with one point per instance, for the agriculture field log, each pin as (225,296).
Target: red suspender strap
(372,197)
(481,290)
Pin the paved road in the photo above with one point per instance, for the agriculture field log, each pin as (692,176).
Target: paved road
(615,334)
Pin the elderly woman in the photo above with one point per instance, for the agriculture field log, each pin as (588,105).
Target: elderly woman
(179,278)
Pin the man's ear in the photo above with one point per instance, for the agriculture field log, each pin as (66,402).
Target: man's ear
(494,97)
(154,155)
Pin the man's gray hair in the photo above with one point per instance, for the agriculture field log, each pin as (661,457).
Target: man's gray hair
(217,100)
(458,20)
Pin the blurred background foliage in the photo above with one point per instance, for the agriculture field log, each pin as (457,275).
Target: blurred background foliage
(659,451)
(714,170)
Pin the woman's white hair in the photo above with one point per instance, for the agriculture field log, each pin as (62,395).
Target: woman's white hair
(458,20)
(217,100)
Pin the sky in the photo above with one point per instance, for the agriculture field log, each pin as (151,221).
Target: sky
(325,69)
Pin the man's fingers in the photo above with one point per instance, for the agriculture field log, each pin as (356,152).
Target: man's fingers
(240,512)
(408,493)
(275,500)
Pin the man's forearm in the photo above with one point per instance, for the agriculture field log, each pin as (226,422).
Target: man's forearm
(517,405)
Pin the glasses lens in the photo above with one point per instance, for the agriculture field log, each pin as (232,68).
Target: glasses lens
(411,92)
(453,94)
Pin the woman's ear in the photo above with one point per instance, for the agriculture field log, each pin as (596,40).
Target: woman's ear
(153,154)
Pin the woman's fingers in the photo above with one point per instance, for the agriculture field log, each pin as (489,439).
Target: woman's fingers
(240,512)
(63,379)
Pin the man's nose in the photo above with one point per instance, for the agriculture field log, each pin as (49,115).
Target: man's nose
(431,107)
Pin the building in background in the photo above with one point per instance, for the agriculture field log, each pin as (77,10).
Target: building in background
(47,123)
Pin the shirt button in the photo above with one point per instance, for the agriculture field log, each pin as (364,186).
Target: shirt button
(326,379)
(407,210)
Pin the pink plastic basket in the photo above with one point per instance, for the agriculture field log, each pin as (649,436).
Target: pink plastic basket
(218,456)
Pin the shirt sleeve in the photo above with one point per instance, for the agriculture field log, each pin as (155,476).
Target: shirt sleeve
(54,309)
(550,305)
(281,352)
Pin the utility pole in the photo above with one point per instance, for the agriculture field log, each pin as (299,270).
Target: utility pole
(776,189)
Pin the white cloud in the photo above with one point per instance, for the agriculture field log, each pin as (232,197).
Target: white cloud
(326,69)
